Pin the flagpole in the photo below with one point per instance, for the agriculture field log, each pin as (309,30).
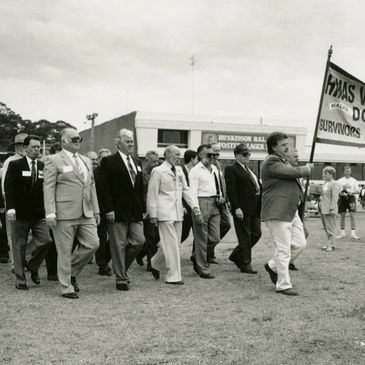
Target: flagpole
(317,123)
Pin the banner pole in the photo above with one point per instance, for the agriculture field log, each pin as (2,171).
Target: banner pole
(316,128)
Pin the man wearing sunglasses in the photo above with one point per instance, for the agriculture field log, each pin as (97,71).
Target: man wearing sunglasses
(207,195)
(72,209)
(244,194)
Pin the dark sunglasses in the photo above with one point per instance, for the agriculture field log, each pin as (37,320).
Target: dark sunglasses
(245,154)
(76,139)
(210,155)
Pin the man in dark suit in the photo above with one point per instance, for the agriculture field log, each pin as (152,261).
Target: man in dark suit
(4,247)
(25,210)
(190,160)
(244,194)
(282,195)
(102,254)
(124,204)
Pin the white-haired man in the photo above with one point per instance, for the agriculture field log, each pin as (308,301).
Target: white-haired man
(124,205)
(72,209)
(166,189)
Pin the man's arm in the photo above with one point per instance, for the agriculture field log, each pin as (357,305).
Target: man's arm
(231,184)
(194,186)
(9,186)
(49,187)
(152,194)
(187,196)
(275,167)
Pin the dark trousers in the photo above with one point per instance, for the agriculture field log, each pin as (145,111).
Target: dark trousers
(41,239)
(152,237)
(4,248)
(102,254)
(225,226)
(248,232)
(186,226)
(51,258)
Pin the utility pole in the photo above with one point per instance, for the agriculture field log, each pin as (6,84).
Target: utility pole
(92,117)
(192,63)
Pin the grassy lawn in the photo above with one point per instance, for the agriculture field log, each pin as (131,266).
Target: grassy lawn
(234,319)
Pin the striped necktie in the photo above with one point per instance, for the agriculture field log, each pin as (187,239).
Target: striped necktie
(78,166)
(131,170)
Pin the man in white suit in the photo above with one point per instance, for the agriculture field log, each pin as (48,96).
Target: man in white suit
(166,188)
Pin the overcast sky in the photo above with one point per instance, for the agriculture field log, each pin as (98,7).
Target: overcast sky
(61,60)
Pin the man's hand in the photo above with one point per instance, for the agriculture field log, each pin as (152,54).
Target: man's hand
(310,166)
(199,218)
(110,217)
(51,222)
(221,201)
(11,216)
(185,211)
(238,213)
(196,211)
(97,218)
(153,221)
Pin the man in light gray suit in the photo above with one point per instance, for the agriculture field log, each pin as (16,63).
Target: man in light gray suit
(72,209)
(281,197)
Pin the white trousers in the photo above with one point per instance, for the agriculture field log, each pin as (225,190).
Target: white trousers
(169,250)
(289,240)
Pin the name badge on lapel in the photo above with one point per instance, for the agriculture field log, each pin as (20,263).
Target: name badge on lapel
(139,168)
(26,173)
(67,168)
(40,175)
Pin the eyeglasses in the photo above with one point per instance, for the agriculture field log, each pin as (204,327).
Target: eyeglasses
(245,154)
(210,155)
(76,139)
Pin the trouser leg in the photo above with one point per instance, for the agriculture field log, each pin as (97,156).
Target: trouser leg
(298,241)
(51,257)
(20,238)
(343,218)
(330,220)
(352,220)
(281,233)
(102,254)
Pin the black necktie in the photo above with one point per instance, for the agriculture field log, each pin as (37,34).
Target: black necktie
(33,173)
(173,169)
(131,170)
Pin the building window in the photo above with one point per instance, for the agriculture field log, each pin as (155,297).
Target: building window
(167,137)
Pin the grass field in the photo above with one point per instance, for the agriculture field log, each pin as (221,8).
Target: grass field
(234,319)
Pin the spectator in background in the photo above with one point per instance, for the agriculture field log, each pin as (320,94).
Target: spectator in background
(190,160)
(93,158)
(328,206)
(102,254)
(150,230)
(347,202)
(4,247)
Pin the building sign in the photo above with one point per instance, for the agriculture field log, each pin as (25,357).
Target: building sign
(256,142)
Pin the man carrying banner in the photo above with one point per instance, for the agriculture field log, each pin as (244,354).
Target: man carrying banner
(282,195)
(347,201)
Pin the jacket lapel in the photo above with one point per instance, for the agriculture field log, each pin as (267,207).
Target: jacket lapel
(70,163)
(120,162)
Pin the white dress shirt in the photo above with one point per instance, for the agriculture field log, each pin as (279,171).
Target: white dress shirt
(124,157)
(202,182)
(29,160)
(349,184)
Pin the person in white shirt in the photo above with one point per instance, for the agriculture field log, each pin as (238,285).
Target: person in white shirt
(206,192)
(347,202)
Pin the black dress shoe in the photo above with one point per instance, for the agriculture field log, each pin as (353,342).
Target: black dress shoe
(74,284)
(21,286)
(71,295)
(103,271)
(35,277)
(292,267)
(52,277)
(273,274)
(207,276)
(139,261)
(247,269)
(212,260)
(155,273)
(122,286)
(235,261)
(175,282)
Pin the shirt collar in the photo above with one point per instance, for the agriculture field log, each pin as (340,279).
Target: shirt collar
(123,155)
(71,155)
(29,160)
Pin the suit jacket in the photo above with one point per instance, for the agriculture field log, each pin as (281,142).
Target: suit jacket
(186,174)
(241,190)
(27,200)
(66,194)
(165,193)
(282,192)
(97,177)
(329,197)
(118,193)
